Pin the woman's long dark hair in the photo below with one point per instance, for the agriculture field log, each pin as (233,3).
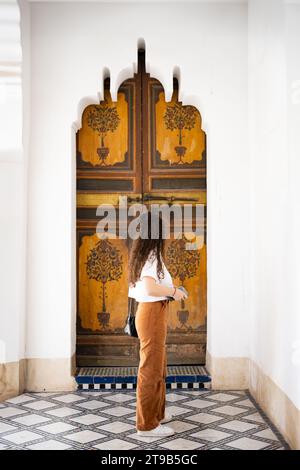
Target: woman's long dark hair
(142,247)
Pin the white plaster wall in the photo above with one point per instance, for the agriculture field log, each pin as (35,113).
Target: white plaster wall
(12,188)
(70,47)
(291,317)
(274,151)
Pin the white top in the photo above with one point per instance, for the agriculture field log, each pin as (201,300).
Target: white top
(150,269)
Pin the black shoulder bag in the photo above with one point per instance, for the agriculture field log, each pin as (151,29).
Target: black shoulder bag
(130,324)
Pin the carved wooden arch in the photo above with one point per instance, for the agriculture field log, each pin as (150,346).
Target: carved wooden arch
(169,135)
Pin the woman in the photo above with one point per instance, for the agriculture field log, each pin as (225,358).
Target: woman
(150,284)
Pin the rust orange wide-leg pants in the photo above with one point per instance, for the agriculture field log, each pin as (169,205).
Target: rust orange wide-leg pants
(151,325)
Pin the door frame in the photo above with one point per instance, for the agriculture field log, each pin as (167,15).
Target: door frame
(84,102)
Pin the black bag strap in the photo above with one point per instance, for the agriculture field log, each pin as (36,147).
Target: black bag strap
(132,307)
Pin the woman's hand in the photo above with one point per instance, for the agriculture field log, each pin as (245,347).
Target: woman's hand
(179,295)
(156,290)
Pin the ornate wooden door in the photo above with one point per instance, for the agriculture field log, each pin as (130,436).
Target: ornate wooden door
(151,151)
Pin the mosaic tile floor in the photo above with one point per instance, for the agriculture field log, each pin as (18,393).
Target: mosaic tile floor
(106,420)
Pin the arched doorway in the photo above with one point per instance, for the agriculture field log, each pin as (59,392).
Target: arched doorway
(150,151)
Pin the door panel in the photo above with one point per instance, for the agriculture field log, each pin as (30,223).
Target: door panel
(108,151)
(102,274)
(174,143)
(174,170)
(108,166)
(150,151)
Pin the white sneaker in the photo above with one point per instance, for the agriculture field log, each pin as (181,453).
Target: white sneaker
(159,431)
(168,417)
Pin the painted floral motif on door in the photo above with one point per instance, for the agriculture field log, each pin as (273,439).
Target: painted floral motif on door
(102,274)
(177,138)
(106,137)
(187,268)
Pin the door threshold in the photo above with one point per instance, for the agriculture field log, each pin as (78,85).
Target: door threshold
(125,378)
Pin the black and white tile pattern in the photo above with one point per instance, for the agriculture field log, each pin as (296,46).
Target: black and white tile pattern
(125,378)
(106,420)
